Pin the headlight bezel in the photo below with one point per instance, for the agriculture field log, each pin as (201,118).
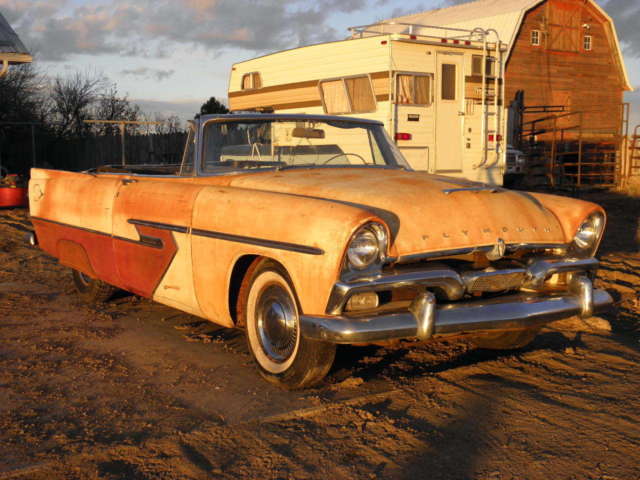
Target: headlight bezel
(587,237)
(373,230)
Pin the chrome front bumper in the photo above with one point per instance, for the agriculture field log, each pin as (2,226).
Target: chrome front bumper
(425,319)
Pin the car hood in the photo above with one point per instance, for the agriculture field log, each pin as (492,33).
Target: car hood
(422,216)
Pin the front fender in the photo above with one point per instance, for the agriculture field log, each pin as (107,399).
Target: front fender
(308,236)
(570,212)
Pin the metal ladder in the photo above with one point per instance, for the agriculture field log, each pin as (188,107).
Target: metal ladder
(493,49)
(494,127)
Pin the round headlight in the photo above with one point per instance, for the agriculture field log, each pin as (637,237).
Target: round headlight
(589,233)
(367,246)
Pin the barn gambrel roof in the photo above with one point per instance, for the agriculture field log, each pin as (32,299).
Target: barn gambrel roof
(504,16)
(11,47)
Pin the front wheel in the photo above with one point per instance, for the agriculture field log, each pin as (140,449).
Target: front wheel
(268,308)
(91,289)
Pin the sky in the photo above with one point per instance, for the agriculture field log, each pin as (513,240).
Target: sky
(170,56)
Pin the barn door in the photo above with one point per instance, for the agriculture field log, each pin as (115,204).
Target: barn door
(449,113)
(564,26)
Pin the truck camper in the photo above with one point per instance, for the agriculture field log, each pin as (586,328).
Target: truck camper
(437,91)
(495,91)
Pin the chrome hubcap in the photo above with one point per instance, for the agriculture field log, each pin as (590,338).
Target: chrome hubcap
(84,279)
(277,323)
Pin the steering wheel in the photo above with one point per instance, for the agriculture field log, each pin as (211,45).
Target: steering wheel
(3,172)
(345,154)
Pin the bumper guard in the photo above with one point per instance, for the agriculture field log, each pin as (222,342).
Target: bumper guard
(425,319)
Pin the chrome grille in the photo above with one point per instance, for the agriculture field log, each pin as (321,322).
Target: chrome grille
(494,281)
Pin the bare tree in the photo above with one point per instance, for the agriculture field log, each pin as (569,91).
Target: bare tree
(22,95)
(170,124)
(72,100)
(111,106)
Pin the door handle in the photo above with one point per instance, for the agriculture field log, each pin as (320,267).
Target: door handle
(127,181)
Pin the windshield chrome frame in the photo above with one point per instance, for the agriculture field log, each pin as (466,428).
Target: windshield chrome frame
(388,148)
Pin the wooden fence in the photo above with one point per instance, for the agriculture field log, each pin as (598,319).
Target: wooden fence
(77,154)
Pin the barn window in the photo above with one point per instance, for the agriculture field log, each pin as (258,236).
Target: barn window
(348,95)
(587,43)
(448,81)
(535,38)
(251,81)
(413,89)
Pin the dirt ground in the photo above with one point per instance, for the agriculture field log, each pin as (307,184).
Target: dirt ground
(136,390)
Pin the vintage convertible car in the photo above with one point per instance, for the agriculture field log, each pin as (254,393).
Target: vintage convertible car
(311,231)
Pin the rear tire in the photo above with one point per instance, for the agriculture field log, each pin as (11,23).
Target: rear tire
(92,290)
(506,340)
(269,309)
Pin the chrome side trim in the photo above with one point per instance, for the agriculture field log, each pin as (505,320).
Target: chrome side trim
(444,279)
(539,271)
(511,312)
(487,188)
(159,226)
(291,247)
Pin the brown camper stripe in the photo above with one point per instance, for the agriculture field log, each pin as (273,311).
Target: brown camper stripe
(273,88)
(290,86)
(294,95)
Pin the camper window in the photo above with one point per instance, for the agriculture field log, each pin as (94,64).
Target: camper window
(476,65)
(251,80)
(448,80)
(347,95)
(413,89)
(361,94)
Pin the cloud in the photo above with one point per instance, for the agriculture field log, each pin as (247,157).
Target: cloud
(626,16)
(145,72)
(60,29)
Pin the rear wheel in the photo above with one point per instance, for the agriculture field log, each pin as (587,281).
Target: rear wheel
(506,340)
(91,289)
(268,308)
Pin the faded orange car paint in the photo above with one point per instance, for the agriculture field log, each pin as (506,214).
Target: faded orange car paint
(301,220)
(315,209)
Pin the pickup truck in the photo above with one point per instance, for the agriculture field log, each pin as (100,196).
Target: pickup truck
(312,231)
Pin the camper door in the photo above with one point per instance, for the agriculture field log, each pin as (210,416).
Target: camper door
(414,117)
(449,113)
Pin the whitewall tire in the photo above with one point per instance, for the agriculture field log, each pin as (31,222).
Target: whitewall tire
(269,310)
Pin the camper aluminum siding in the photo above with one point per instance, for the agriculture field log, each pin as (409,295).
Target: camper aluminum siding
(445,136)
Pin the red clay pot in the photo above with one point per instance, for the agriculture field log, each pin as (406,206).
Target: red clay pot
(13,197)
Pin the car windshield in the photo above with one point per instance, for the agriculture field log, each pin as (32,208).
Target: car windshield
(275,143)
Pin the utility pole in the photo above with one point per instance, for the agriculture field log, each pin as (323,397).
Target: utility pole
(122,124)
